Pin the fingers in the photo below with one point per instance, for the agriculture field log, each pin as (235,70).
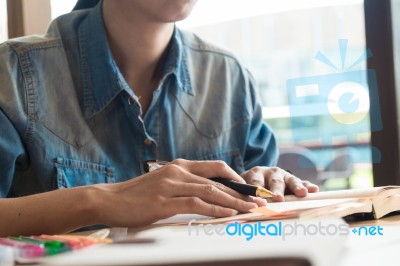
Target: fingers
(299,187)
(255,176)
(295,184)
(209,169)
(277,186)
(205,188)
(278,181)
(181,183)
(189,172)
(268,177)
(214,194)
(260,201)
(197,206)
(310,186)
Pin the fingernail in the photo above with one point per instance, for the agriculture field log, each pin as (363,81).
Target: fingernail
(298,188)
(278,197)
(300,191)
(277,193)
(251,205)
(258,200)
(233,212)
(262,202)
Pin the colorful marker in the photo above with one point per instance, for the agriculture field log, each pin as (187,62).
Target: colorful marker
(24,250)
(51,247)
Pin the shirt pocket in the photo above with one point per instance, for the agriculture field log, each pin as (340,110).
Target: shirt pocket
(74,173)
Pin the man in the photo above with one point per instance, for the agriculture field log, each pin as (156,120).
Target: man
(114,85)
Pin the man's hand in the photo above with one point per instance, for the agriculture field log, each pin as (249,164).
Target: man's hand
(179,187)
(278,181)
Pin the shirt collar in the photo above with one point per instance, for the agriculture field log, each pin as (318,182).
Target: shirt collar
(176,63)
(102,79)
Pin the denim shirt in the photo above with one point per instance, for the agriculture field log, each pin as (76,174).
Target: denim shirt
(68,118)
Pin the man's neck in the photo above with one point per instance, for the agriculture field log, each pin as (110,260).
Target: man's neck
(138,47)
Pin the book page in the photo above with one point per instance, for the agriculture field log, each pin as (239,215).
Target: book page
(316,204)
(284,210)
(299,207)
(302,205)
(348,193)
(385,205)
(363,205)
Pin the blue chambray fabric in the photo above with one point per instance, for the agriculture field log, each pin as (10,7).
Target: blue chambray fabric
(68,118)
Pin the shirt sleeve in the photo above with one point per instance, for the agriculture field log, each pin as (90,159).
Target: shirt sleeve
(12,151)
(11,148)
(261,146)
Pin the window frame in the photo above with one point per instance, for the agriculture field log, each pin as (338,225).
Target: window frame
(379,38)
(26,17)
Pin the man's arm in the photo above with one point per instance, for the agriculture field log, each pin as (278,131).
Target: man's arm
(261,146)
(181,187)
(52,212)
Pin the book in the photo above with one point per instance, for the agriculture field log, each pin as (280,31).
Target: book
(377,201)
(383,200)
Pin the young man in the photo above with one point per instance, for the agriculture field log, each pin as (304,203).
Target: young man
(114,85)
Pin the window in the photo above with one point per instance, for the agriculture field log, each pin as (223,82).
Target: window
(3,21)
(308,100)
(61,7)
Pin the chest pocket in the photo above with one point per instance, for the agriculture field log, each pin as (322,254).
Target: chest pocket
(74,173)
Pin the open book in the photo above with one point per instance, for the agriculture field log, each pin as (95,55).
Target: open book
(378,201)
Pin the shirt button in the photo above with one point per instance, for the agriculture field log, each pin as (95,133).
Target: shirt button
(148,141)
